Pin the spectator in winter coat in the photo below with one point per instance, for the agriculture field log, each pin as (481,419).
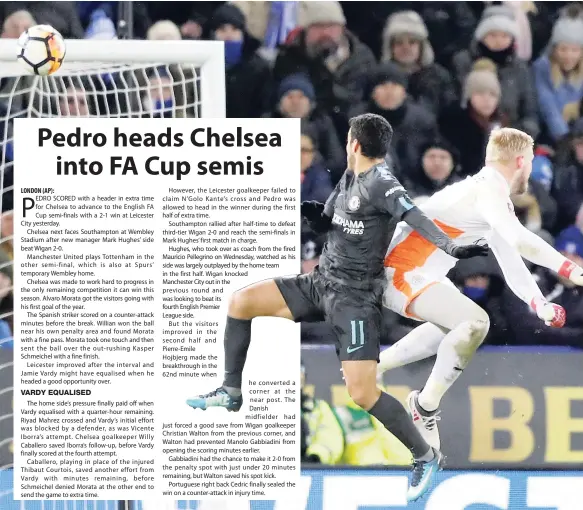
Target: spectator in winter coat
(438,167)
(334,59)
(516,11)
(568,185)
(296,98)
(468,125)
(413,125)
(315,178)
(450,24)
(559,77)
(248,76)
(405,42)
(494,40)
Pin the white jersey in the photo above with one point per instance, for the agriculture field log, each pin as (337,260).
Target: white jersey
(476,208)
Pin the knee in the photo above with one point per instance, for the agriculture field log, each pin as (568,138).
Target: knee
(479,326)
(363,395)
(475,332)
(241,305)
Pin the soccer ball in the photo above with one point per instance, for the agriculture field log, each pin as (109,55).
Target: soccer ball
(41,50)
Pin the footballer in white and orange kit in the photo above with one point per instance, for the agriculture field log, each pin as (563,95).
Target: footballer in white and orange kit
(474,210)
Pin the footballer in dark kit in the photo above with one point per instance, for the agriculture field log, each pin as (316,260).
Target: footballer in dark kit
(346,288)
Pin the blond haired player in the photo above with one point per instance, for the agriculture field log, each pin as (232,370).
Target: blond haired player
(469,211)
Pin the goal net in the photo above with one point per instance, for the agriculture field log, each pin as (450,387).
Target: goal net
(117,78)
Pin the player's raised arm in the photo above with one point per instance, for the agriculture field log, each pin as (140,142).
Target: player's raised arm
(390,196)
(499,213)
(541,253)
(521,282)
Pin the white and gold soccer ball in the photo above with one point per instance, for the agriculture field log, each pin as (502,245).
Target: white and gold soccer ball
(41,50)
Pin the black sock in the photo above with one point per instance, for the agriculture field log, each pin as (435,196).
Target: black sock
(389,411)
(237,340)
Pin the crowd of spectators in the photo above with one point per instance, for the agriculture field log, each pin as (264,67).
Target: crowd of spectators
(444,74)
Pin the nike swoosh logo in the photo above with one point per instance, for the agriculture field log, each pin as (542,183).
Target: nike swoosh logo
(351,349)
(421,488)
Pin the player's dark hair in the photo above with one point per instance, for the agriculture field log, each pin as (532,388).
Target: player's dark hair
(373,133)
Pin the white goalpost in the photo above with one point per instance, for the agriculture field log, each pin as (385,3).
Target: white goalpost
(194,63)
(115,78)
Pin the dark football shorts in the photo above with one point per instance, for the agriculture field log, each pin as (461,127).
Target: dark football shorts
(355,315)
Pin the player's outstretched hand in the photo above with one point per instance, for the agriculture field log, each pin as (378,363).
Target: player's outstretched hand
(573,272)
(312,210)
(552,314)
(313,213)
(467,251)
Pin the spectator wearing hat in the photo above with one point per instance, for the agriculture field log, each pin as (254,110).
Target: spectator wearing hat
(437,169)
(468,125)
(405,42)
(558,75)
(334,59)
(540,16)
(101,19)
(296,98)
(494,39)
(164,30)
(518,12)
(101,26)
(450,24)
(248,76)
(570,243)
(568,183)
(413,125)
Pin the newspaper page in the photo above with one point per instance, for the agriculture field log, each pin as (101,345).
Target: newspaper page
(131,236)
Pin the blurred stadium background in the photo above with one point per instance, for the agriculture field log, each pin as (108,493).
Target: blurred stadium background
(444,74)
